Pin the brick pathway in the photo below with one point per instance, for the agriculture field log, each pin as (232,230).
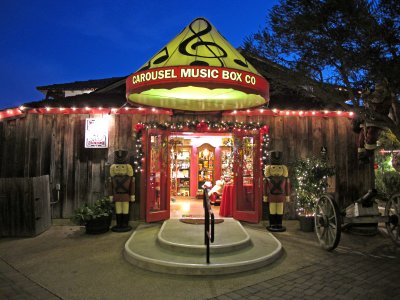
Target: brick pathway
(352,276)
(360,268)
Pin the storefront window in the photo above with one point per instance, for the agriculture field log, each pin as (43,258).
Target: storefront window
(158,146)
(246,201)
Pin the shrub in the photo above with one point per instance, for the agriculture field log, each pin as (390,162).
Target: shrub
(101,208)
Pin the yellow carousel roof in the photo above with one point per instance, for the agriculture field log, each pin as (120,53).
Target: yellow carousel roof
(198,71)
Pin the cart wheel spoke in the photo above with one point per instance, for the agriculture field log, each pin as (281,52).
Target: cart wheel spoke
(331,234)
(323,233)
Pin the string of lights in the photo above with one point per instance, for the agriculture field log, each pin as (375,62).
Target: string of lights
(12,112)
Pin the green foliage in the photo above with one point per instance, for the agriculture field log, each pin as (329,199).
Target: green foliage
(387,179)
(391,181)
(388,141)
(309,179)
(101,208)
(354,44)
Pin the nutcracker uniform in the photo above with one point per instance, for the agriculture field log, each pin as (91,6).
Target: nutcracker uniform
(276,191)
(121,190)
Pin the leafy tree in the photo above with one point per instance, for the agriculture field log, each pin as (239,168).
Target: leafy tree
(338,50)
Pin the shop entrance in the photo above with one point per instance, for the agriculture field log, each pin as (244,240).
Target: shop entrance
(178,164)
(197,159)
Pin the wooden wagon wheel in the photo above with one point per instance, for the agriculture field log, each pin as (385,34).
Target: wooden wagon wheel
(392,211)
(328,222)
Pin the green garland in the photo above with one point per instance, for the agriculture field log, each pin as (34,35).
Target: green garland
(196,126)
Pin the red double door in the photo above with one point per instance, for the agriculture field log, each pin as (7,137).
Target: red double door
(155,181)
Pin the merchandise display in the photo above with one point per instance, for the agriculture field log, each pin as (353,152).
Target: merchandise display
(206,157)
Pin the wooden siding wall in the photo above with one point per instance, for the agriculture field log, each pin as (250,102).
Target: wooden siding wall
(40,144)
(24,206)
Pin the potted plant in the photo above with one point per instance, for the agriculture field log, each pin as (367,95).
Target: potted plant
(96,218)
(309,178)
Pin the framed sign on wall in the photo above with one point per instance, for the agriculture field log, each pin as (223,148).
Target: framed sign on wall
(96,133)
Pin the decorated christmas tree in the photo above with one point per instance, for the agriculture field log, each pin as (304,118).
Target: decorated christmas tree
(309,178)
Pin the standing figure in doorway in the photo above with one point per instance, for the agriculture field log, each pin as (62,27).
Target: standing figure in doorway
(276,190)
(121,190)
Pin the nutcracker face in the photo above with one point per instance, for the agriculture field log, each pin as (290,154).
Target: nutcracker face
(276,170)
(120,169)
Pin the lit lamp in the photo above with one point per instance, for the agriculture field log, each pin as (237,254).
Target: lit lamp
(198,70)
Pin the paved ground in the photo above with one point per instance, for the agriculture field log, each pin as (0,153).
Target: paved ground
(65,263)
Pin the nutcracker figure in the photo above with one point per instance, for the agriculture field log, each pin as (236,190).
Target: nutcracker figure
(121,190)
(276,191)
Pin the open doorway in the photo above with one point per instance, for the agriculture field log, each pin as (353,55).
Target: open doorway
(177,164)
(197,158)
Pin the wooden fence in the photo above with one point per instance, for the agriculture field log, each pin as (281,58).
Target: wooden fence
(53,144)
(24,206)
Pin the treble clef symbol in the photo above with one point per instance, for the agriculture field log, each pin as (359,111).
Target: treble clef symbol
(211,46)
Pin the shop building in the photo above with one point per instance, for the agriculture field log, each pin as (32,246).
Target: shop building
(185,118)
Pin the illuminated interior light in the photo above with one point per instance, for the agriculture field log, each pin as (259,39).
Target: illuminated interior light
(87,108)
(235,111)
(74,108)
(301,113)
(126,108)
(313,113)
(100,108)
(61,108)
(248,110)
(351,114)
(261,110)
(326,112)
(339,112)
(48,108)
(22,107)
(274,110)
(287,113)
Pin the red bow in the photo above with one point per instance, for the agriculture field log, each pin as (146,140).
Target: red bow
(139,127)
(264,129)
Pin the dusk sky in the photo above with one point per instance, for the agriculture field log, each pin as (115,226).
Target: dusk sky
(46,42)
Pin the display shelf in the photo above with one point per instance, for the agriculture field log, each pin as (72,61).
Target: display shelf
(226,162)
(205,160)
(248,160)
(180,171)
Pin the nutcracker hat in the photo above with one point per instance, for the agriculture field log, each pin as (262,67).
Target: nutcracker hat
(276,157)
(120,156)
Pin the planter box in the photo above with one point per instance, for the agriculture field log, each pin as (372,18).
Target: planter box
(98,225)
(306,223)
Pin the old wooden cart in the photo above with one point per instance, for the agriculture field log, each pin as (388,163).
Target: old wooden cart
(330,220)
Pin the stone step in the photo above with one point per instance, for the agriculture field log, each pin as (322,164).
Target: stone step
(144,249)
(229,236)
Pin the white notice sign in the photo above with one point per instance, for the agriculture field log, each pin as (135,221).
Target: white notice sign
(96,133)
